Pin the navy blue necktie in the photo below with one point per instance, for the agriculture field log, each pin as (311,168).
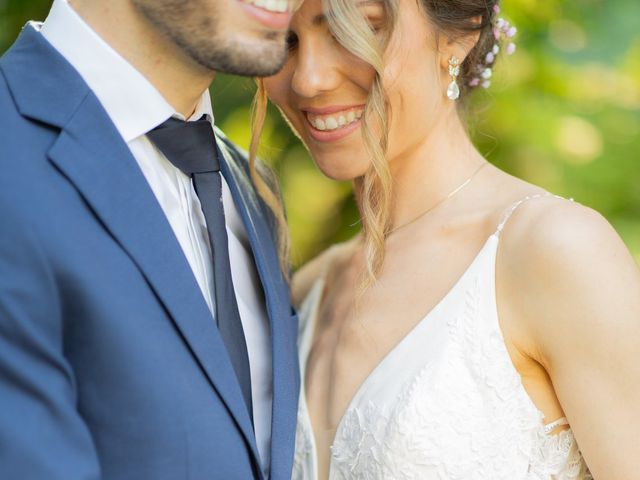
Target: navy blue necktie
(191,147)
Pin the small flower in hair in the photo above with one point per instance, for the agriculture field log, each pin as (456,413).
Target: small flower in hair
(503,31)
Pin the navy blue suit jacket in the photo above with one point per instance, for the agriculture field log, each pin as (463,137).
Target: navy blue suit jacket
(111,365)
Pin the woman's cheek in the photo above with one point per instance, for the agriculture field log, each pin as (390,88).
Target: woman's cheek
(278,87)
(271,87)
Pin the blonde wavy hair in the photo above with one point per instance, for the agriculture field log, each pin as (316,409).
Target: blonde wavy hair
(264,180)
(374,189)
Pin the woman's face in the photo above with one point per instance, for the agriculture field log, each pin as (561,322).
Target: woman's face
(323,88)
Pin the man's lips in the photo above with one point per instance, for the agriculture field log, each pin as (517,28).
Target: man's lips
(274,14)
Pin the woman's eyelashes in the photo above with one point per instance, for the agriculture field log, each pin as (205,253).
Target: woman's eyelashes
(376,24)
(293,40)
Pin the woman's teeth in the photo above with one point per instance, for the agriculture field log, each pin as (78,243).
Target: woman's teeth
(277,6)
(334,121)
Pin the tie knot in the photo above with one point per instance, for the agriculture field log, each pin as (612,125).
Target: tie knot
(189,146)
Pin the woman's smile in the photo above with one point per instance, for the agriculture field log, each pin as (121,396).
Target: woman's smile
(329,124)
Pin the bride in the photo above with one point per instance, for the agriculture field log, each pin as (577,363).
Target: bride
(478,327)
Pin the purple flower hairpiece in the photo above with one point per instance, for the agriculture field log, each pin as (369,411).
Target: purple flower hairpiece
(503,32)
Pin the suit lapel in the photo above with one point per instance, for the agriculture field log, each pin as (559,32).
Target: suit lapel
(90,153)
(283,323)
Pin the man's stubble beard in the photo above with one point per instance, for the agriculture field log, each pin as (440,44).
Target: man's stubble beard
(202,39)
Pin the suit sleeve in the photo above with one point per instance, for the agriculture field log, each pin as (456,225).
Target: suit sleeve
(42,435)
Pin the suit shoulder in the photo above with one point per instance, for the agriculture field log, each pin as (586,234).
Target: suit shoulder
(8,108)
(20,135)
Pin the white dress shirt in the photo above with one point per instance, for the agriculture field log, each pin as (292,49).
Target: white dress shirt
(136,107)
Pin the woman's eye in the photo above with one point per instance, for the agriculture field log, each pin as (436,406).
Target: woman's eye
(292,41)
(376,24)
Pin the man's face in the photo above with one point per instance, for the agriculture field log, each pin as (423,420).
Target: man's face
(231,36)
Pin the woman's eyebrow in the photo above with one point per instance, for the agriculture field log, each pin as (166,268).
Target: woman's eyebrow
(319,19)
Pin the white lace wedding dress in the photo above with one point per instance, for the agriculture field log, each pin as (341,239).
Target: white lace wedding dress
(445,403)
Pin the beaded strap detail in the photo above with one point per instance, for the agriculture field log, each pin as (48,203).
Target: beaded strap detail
(510,211)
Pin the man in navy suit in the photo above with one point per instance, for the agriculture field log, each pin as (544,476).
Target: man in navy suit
(117,357)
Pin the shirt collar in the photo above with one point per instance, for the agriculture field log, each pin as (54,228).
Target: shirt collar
(134,105)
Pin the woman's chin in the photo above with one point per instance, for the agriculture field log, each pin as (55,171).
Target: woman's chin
(340,171)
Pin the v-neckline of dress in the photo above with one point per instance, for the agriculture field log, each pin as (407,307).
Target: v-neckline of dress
(320,285)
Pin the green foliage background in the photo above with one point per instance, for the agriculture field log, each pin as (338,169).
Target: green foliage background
(564,112)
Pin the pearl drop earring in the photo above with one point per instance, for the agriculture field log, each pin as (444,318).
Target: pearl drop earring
(453,90)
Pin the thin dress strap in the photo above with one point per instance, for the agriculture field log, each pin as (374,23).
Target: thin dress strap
(510,211)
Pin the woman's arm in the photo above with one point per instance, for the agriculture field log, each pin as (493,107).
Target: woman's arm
(577,294)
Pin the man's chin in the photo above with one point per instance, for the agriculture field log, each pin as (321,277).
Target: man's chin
(249,60)
(266,60)
(268,70)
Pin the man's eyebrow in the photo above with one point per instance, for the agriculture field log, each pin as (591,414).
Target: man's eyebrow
(322,18)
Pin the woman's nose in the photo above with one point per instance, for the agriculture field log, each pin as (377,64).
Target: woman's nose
(316,70)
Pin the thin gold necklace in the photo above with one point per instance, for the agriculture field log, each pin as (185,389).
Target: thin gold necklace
(441,201)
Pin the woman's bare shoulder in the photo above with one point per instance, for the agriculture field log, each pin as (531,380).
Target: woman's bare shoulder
(566,268)
(304,279)
(553,233)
